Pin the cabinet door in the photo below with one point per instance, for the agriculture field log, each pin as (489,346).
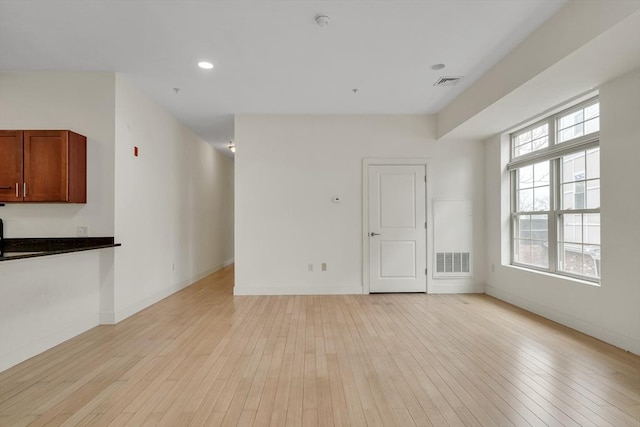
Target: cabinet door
(10,166)
(46,157)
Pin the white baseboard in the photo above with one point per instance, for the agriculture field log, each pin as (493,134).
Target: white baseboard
(297,290)
(455,288)
(107,318)
(444,288)
(20,354)
(140,305)
(609,336)
(120,315)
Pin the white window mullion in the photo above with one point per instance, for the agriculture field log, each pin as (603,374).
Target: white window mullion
(553,136)
(553,217)
(526,226)
(555,152)
(512,226)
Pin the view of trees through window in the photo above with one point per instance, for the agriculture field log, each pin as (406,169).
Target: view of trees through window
(556,194)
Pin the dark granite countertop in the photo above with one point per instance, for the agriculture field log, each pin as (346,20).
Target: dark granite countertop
(37,247)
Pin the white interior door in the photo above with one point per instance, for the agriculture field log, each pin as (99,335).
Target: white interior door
(397,229)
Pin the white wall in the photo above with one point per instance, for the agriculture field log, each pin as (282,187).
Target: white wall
(536,70)
(48,300)
(289,167)
(84,103)
(173,205)
(611,311)
(45,301)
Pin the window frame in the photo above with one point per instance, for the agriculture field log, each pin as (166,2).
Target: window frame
(552,154)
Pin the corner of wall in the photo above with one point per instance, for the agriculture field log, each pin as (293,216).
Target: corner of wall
(173,203)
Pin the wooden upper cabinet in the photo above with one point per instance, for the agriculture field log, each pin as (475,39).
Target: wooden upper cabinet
(10,165)
(52,166)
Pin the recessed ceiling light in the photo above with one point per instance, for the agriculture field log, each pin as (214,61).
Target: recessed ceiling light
(205,65)
(437,66)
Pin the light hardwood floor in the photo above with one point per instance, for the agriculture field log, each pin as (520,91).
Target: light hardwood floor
(204,357)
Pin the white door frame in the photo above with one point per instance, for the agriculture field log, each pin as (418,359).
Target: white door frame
(365,213)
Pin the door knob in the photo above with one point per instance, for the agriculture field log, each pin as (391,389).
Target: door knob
(374,234)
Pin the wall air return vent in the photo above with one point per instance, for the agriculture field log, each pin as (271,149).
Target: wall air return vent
(452,238)
(452,262)
(447,81)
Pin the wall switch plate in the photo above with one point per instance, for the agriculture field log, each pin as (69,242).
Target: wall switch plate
(324,266)
(83,231)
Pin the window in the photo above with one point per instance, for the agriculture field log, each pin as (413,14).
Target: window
(582,121)
(579,216)
(531,215)
(531,140)
(555,193)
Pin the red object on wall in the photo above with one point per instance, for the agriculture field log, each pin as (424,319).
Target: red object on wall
(135,151)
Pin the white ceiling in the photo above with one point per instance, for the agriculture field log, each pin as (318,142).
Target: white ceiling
(270,56)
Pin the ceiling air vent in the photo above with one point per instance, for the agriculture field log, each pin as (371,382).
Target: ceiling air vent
(447,81)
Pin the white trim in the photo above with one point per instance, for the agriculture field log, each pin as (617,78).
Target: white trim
(451,275)
(582,143)
(554,213)
(574,101)
(140,305)
(552,121)
(365,211)
(297,290)
(107,318)
(577,279)
(113,318)
(441,286)
(610,336)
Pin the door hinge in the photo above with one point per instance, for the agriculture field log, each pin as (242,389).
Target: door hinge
(425,178)
(425,271)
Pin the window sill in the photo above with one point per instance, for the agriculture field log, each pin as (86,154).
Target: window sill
(553,275)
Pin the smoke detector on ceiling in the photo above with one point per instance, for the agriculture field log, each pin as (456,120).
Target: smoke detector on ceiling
(323,20)
(447,81)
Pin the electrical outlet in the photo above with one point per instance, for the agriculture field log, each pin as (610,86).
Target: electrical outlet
(310,268)
(83,231)
(324,266)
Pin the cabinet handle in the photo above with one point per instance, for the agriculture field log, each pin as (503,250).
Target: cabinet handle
(17,190)
(24,189)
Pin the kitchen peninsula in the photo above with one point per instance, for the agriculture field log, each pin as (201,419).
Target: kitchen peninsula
(12,249)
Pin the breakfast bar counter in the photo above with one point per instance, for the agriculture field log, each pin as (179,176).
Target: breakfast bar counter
(17,248)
